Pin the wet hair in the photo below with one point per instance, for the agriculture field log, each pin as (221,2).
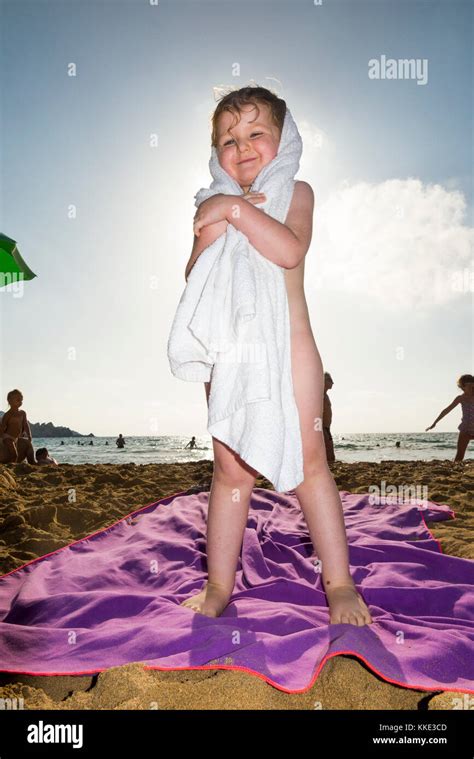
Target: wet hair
(464,379)
(14,392)
(41,453)
(235,101)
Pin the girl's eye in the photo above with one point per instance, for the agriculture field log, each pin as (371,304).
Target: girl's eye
(229,142)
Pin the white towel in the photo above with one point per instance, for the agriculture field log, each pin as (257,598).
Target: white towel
(232,327)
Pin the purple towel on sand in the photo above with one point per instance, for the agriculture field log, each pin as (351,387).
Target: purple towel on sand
(114,597)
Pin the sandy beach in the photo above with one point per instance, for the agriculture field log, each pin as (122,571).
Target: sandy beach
(38,517)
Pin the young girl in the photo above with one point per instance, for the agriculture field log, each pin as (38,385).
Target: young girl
(466,428)
(247,126)
(13,426)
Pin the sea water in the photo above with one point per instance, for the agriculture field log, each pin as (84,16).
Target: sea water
(421,446)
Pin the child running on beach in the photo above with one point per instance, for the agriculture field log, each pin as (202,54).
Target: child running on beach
(13,425)
(247,126)
(466,428)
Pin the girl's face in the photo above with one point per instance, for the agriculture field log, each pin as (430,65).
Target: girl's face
(243,150)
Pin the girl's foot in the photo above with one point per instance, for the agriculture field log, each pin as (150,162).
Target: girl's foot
(211,600)
(347,605)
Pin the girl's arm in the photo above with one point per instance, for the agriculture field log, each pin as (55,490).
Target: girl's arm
(4,423)
(26,427)
(207,236)
(284,244)
(446,411)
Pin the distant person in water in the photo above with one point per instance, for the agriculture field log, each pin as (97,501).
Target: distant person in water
(120,441)
(192,443)
(62,442)
(466,428)
(43,457)
(327,419)
(106,442)
(91,442)
(14,426)
(397,444)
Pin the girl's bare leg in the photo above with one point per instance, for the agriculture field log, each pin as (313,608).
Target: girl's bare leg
(229,499)
(25,450)
(318,494)
(463,442)
(12,451)
(330,455)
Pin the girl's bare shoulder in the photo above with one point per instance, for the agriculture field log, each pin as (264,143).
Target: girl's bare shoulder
(305,190)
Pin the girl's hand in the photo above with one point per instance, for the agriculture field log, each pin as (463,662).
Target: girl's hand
(215,209)
(430,428)
(255,197)
(210,211)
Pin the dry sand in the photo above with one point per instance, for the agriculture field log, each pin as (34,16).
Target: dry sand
(36,518)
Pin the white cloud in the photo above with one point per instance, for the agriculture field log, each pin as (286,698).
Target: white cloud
(314,139)
(319,160)
(400,242)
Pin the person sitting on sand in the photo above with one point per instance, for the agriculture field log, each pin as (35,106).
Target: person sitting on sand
(466,428)
(13,426)
(43,457)
(192,443)
(120,441)
(327,419)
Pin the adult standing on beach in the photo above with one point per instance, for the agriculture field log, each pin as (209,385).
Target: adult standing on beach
(466,428)
(327,419)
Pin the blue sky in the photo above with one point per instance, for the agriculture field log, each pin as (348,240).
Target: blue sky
(104,218)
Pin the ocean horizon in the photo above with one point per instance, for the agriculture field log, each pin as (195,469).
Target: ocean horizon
(168,449)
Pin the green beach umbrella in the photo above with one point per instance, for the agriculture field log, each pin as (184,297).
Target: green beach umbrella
(11,262)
